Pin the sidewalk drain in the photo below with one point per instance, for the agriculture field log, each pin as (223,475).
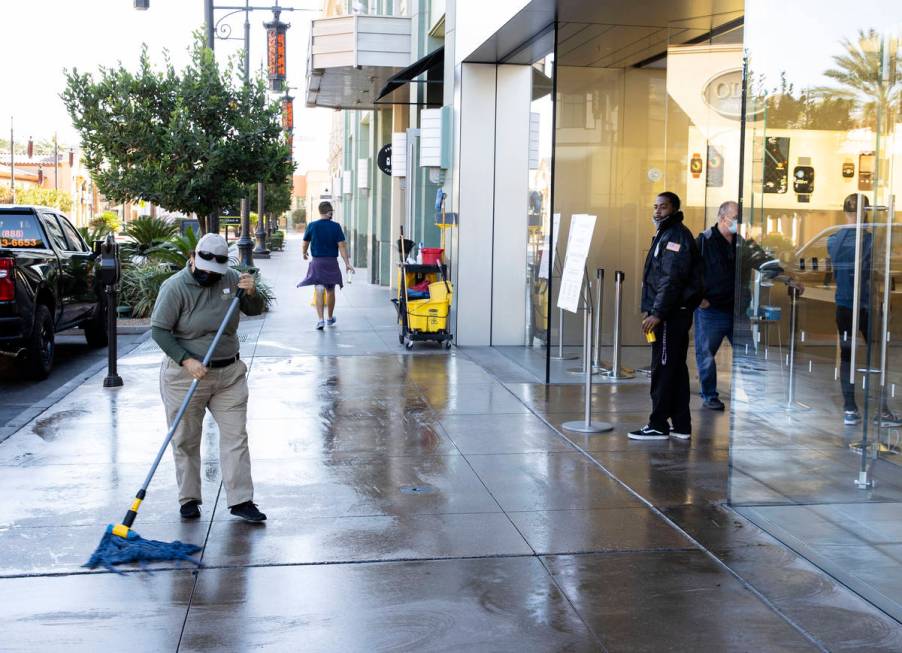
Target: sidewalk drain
(417,489)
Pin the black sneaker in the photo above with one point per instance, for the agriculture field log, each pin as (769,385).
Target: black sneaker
(190,510)
(713,403)
(647,433)
(680,435)
(248,512)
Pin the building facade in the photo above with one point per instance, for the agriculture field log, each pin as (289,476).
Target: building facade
(525,113)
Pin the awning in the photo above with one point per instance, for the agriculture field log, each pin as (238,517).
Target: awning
(433,65)
(351,57)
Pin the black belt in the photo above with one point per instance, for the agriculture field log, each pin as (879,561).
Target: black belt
(223,362)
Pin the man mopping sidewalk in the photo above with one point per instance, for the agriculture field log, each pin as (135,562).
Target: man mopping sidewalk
(324,240)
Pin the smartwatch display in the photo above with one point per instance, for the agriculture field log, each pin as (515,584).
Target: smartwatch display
(866,163)
(695,165)
(776,164)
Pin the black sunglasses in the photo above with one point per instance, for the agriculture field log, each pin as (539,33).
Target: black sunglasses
(220,258)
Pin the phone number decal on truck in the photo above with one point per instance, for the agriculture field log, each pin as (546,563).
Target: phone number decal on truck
(25,242)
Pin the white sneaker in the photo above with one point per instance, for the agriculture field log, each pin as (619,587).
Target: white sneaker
(320,325)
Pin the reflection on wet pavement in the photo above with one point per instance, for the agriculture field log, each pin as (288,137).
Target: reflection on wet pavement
(521,542)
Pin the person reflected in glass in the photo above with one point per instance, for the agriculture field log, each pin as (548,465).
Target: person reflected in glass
(714,318)
(324,240)
(841,249)
(671,291)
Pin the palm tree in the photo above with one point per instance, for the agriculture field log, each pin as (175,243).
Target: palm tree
(863,78)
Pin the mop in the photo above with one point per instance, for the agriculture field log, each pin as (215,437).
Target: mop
(120,544)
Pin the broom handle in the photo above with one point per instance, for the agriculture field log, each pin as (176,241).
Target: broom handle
(129,518)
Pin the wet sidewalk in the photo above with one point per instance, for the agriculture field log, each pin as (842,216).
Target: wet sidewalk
(416,502)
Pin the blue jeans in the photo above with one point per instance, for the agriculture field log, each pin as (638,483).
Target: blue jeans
(712,325)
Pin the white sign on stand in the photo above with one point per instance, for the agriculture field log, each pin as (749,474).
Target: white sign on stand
(579,241)
(556,228)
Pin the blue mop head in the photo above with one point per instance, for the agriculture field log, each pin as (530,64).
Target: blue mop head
(117,550)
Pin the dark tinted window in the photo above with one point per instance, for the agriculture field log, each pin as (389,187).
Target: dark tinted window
(75,243)
(20,230)
(56,234)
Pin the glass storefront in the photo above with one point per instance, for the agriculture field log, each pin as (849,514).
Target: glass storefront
(816,428)
(792,110)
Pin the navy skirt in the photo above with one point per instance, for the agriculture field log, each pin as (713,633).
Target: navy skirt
(323,271)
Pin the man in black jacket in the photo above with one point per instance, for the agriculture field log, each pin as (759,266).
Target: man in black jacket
(714,316)
(719,246)
(671,290)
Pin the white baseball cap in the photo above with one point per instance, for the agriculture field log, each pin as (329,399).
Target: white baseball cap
(212,254)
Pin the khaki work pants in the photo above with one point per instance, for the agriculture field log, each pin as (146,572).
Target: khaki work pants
(224,391)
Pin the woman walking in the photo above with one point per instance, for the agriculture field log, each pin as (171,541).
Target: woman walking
(324,240)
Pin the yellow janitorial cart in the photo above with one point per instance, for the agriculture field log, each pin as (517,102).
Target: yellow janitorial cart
(424,298)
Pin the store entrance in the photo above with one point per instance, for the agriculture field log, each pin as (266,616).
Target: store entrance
(621,112)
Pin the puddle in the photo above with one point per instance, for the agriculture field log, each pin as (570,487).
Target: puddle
(47,428)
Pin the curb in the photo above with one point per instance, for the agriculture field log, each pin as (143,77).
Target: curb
(22,419)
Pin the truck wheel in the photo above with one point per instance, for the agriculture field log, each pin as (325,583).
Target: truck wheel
(41,345)
(96,328)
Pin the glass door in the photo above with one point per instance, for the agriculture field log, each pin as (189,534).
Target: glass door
(879,241)
(817,380)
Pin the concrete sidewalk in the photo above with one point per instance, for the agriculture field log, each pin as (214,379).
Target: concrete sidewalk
(415,502)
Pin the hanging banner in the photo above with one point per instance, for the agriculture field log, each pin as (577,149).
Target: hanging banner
(579,242)
(275,53)
(288,113)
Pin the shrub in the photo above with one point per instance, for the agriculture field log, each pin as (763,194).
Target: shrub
(146,237)
(109,219)
(140,285)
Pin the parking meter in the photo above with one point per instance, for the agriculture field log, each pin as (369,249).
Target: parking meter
(109,273)
(109,262)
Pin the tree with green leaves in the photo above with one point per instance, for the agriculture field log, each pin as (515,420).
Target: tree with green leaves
(188,141)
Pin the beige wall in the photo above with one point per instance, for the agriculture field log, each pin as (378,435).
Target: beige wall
(602,169)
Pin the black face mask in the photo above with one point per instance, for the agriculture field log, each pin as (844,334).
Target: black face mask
(205,278)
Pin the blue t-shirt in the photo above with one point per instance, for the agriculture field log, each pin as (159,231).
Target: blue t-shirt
(841,247)
(324,236)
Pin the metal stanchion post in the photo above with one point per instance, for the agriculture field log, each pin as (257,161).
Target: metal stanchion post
(791,403)
(618,372)
(588,314)
(586,425)
(560,339)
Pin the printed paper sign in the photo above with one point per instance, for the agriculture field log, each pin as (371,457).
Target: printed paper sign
(579,241)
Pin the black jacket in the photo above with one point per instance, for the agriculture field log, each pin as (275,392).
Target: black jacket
(719,262)
(673,270)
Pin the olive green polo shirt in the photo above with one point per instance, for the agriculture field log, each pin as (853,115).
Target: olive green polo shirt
(192,313)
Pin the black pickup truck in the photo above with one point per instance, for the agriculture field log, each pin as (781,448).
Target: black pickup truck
(47,285)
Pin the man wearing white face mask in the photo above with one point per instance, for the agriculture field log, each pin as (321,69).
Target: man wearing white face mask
(714,316)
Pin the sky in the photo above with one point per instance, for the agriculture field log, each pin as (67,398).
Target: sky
(41,39)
